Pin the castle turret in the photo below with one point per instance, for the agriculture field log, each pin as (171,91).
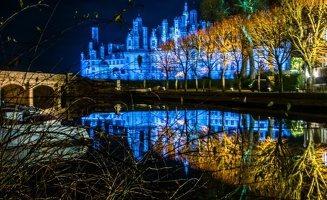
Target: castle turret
(90,48)
(164,31)
(193,17)
(185,15)
(135,36)
(153,40)
(129,42)
(95,36)
(203,25)
(145,38)
(102,52)
(110,48)
(176,26)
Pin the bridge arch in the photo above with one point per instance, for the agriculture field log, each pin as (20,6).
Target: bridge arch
(44,96)
(14,94)
(33,88)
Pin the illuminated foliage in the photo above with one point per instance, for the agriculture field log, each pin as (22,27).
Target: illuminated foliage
(207,53)
(269,32)
(307,24)
(223,40)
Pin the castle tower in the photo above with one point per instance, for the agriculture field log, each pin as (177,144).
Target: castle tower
(185,15)
(176,26)
(90,48)
(193,17)
(110,48)
(164,31)
(95,35)
(102,52)
(135,35)
(129,42)
(153,40)
(145,38)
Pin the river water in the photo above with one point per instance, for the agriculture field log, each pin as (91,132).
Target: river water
(266,155)
(145,125)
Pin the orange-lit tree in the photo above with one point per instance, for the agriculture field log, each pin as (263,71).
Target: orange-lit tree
(269,32)
(237,42)
(222,40)
(208,52)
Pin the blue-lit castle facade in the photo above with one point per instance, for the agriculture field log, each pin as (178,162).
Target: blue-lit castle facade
(137,59)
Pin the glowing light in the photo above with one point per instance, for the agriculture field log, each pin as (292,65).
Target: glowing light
(179,74)
(315,73)
(180,122)
(307,73)
(204,129)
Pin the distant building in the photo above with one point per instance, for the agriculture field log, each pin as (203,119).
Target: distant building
(138,58)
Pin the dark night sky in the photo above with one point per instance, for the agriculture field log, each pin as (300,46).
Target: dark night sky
(62,55)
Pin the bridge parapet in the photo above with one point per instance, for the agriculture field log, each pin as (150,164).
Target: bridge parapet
(28,82)
(31,78)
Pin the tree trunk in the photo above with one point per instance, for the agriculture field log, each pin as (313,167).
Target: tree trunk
(185,82)
(196,83)
(280,79)
(223,79)
(259,78)
(252,69)
(209,77)
(239,82)
(245,57)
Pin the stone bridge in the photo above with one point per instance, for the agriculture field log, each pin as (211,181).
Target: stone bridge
(42,90)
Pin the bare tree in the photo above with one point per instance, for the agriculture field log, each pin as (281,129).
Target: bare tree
(207,51)
(166,60)
(269,32)
(196,40)
(223,42)
(183,54)
(237,45)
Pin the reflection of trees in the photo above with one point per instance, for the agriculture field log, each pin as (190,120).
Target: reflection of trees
(265,168)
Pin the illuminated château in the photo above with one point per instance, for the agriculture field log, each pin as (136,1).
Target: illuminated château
(138,58)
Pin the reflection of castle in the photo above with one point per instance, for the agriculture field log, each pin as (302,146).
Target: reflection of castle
(138,58)
(142,127)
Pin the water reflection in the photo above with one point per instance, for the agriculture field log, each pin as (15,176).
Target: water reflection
(275,157)
(179,126)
